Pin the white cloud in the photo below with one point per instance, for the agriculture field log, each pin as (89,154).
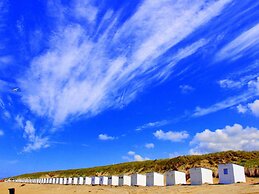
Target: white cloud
(1,132)
(241,109)
(149,145)
(6,114)
(20,121)
(186,89)
(254,107)
(105,137)
(251,92)
(82,75)
(254,85)
(131,153)
(152,125)
(35,142)
(132,156)
(84,10)
(227,83)
(234,137)
(174,136)
(241,44)
(138,157)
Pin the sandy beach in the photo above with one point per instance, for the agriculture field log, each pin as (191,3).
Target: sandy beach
(252,186)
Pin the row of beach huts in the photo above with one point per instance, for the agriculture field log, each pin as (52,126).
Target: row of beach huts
(228,174)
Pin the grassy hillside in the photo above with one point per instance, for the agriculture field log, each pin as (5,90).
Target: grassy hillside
(182,163)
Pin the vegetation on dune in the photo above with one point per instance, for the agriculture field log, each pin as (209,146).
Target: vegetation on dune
(250,160)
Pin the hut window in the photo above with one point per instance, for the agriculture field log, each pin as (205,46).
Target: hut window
(225,171)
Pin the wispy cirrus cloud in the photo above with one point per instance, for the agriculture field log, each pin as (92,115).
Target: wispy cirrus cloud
(250,92)
(152,125)
(235,49)
(82,74)
(35,142)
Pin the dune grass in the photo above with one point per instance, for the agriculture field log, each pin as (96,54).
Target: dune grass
(250,160)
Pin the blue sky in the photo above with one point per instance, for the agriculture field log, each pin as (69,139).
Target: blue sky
(87,83)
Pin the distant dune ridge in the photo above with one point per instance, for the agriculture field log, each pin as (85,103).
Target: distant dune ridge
(250,160)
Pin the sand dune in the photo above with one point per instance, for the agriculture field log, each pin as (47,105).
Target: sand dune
(252,187)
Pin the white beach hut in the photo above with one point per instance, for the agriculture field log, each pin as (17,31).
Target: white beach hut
(65,181)
(113,180)
(70,181)
(61,181)
(53,180)
(103,180)
(124,180)
(231,173)
(201,176)
(154,179)
(75,181)
(175,178)
(87,180)
(81,180)
(138,180)
(56,180)
(50,180)
(95,180)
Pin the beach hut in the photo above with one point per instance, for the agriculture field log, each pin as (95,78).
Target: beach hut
(75,181)
(70,181)
(50,180)
(56,180)
(175,178)
(87,180)
(231,173)
(201,176)
(124,180)
(154,179)
(61,181)
(103,180)
(95,180)
(113,180)
(65,181)
(138,180)
(81,180)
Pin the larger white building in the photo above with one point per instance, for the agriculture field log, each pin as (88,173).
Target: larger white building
(175,178)
(154,179)
(138,180)
(231,173)
(201,176)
